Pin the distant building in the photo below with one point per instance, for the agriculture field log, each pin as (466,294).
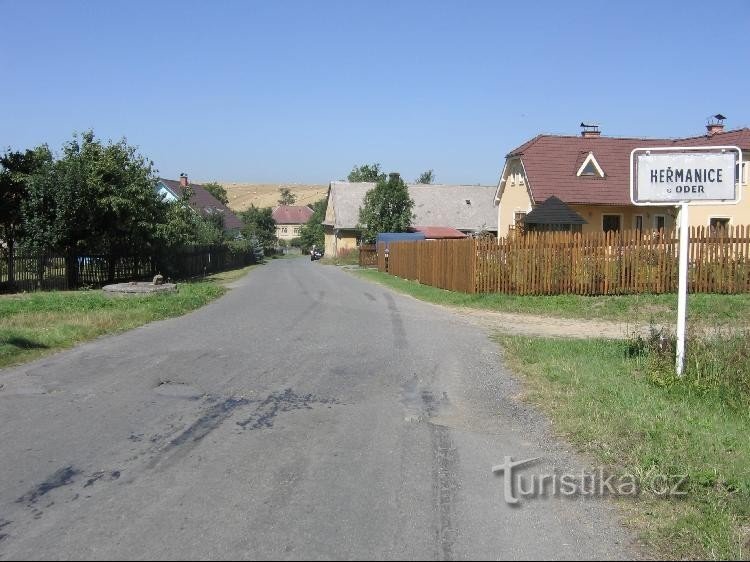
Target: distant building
(465,208)
(289,219)
(201,200)
(590,174)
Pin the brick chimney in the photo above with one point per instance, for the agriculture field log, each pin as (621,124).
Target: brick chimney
(590,130)
(183,180)
(715,124)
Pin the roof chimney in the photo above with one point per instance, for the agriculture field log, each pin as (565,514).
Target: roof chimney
(183,179)
(590,130)
(394,176)
(715,124)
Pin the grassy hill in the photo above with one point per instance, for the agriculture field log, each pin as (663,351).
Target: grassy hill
(242,195)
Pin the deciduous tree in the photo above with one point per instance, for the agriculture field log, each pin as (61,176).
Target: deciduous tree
(312,233)
(387,208)
(366,173)
(427,177)
(217,190)
(16,167)
(287,197)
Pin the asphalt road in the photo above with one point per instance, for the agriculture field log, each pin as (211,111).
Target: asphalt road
(306,414)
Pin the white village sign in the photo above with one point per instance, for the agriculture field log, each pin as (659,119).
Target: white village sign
(684,176)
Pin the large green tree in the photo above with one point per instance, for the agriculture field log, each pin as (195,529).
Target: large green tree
(260,226)
(366,173)
(16,167)
(312,233)
(96,198)
(387,208)
(217,190)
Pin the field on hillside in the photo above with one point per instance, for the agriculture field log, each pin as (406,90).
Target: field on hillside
(242,195)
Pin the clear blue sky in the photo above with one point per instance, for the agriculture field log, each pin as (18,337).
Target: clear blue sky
(283,91)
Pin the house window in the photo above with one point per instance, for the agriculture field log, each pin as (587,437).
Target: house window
(660,222)
(590,167)
(296,229)
(638,223)
(518,218)
(718,224)
(283,229)
(611,223)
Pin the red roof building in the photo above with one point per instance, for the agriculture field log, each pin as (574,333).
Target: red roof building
(289,219)
(591,174)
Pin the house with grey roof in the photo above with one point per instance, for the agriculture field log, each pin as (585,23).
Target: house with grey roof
(200,199)
(467,208)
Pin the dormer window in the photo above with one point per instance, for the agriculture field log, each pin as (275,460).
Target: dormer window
(590,168)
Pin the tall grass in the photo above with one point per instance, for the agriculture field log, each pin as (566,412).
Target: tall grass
(622,403)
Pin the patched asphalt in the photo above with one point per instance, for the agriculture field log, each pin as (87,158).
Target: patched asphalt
(306,414)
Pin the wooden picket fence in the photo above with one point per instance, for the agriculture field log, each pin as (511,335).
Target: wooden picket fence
(551,263)
(368,256)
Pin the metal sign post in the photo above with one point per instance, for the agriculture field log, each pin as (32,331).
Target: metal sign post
(682,289)
(680,177)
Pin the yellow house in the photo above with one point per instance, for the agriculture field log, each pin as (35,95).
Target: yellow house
(591,174)
(289,220)
(466,208)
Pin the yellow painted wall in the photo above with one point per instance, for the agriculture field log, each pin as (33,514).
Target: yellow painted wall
(594,215)
(292,231)
(337,241)
(515,197)
(739,214)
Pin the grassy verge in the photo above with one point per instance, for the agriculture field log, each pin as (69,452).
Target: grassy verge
(345,257)
(36,324)
(706,309)
(620,403)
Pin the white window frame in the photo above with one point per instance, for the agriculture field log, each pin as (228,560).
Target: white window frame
(590,158)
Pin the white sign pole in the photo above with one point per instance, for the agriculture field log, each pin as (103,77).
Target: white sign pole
(698,175)
(682,289)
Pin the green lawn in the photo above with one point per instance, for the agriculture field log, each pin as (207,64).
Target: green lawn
(628,411)
(36,324)
(707,309)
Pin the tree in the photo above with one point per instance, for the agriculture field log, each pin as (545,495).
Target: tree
(97,198)
(312,233)
(259,225)
(15,170)
(387,208)
(287,197)
(426,177)
(366,173)
(183,225)
(217,190)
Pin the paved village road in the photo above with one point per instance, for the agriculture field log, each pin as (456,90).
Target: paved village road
(306,414)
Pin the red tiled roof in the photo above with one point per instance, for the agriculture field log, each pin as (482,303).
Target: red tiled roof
(291,214)
(438,232)
(552,162)
(205,203)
